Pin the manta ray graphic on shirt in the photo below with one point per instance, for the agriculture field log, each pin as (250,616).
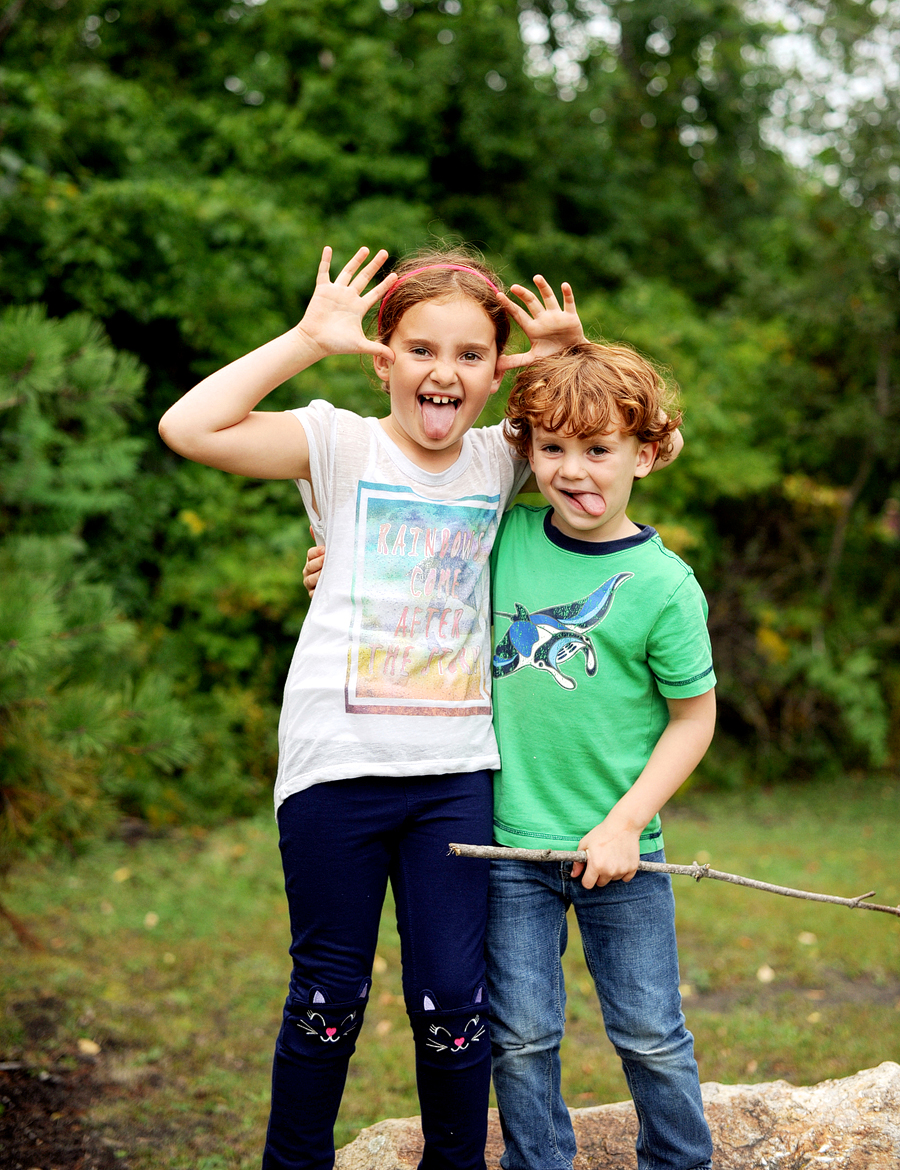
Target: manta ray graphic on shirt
(548,637)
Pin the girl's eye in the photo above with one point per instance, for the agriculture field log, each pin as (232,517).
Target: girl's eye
(419,351)
(471,357)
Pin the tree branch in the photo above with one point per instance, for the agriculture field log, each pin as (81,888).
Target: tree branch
(696,871)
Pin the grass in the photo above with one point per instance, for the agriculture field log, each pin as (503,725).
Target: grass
(170,956)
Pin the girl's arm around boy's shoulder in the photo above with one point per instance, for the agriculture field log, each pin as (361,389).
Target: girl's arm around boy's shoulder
(672,454)
(215,423)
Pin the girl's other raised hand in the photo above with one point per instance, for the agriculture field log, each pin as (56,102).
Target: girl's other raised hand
(333,319)
(549,328)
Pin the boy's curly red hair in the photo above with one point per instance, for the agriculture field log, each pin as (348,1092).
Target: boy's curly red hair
(590,389)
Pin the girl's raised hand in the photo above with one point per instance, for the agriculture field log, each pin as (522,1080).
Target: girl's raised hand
(333,319)
(548,327)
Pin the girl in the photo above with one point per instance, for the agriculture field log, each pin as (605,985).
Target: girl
(385,738)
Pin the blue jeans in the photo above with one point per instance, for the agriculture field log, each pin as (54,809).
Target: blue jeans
(628,932)
(341,843)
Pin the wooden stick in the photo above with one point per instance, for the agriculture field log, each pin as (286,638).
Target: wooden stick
(696,871)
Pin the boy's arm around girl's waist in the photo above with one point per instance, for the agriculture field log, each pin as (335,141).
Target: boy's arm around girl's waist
(613,846)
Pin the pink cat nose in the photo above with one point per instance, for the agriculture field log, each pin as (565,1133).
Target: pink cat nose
(460,1041)
(330,1031)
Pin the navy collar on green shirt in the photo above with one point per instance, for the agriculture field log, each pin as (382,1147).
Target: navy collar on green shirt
(594,548)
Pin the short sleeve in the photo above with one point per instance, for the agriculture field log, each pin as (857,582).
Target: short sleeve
(678,647)
(318,421)
(504,523)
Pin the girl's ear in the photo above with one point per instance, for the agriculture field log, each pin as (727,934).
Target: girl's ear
(498,377)
(383,367)
(646,457)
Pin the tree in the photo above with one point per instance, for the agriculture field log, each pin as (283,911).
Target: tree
(175,171)
(83,721)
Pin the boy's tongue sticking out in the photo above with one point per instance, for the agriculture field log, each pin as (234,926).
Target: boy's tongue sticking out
(438,414)
(591,502)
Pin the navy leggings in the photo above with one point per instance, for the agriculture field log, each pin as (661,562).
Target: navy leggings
(341,842)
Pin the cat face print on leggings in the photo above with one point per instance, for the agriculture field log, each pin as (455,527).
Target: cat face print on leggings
(327,1023)
(466,1032)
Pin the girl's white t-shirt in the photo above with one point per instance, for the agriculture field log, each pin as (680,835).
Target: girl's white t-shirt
(392,672)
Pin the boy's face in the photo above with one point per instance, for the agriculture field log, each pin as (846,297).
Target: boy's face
(588,481)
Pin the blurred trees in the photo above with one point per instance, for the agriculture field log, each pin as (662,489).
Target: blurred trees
(87,727)
(173,171)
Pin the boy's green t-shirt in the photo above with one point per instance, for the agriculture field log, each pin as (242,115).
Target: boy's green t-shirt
(590,640)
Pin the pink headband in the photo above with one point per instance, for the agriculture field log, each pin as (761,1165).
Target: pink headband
(428,268)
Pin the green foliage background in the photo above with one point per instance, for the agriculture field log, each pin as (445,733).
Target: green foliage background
(168,176)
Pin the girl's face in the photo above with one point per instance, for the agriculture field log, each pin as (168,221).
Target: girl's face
(444,371)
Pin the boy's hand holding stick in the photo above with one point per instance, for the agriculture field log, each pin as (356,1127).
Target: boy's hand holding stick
(696,871)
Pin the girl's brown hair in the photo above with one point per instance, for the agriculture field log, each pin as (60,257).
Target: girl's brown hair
(443,283)
(592,389)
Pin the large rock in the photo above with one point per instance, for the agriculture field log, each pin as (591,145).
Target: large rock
(851,1124)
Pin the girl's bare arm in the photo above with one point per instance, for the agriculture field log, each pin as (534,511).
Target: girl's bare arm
(215,423)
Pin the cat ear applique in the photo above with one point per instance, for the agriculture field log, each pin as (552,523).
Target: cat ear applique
(430,1000)
(318,994)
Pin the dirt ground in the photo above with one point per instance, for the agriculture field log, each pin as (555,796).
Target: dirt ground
(41,1113)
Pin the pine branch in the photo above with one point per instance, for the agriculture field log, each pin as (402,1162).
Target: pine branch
(696,871)
(28,940)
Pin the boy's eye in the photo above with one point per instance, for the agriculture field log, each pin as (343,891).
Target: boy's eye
(599,451)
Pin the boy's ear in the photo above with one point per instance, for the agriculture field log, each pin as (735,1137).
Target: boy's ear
(646,457)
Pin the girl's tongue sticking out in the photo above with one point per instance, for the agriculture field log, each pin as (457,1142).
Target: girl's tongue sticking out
(438,414)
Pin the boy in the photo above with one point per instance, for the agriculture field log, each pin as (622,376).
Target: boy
(603,706)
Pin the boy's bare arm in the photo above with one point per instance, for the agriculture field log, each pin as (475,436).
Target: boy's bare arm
(312,570)
(613,846)
(215,423)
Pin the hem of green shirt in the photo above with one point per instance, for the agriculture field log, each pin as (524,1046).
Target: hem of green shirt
(650,841)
